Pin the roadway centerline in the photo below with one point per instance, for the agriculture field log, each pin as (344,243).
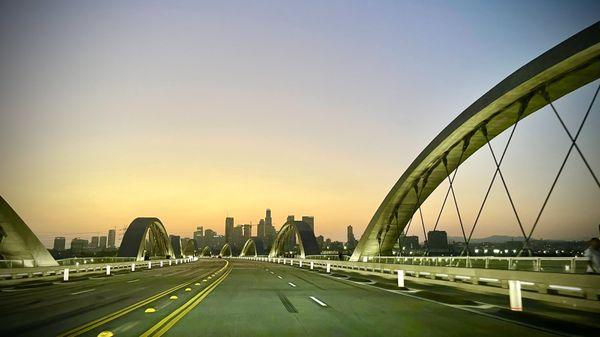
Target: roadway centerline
(131,281)
(168,322)
(110,317)
(279,277)
(293,285)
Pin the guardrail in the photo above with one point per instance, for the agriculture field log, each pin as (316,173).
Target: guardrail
(575,290)
(66,271)
(538,264)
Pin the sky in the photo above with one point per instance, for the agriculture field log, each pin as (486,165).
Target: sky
(191,111)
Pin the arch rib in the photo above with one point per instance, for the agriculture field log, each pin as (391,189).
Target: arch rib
(559,71)
(307,241)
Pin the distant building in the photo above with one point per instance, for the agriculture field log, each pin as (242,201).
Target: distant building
(209,239)
(260,230)
(437,242)
(78,245)
(59,243)
(410,242)
(292,239)
(247,231)
(237,235)
(351,240)
(310,220)
(270,231)
(228,228)
(95,242)
(111,238)
(199,236)
(102,244)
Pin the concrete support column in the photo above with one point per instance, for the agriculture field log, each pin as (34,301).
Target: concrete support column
(300,264)
(149,265)
(133,267)
(312,265)
(66,274)
(161,264)
(107,270)
(328,268)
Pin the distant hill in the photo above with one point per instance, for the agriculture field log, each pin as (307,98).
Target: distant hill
(491,239)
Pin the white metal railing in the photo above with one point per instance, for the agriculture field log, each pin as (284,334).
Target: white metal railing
(541,264)
(95,267)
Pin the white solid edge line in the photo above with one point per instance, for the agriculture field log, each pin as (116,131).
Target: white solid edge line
(290,283)
(318,301)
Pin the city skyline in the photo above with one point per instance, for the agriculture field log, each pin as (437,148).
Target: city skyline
(189,127)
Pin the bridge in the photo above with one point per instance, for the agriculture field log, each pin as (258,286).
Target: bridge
(159,285)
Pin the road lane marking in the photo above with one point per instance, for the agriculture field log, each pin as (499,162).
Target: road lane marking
(279,277)
(131,281)
(83,291)
(290,283)
(105,319)
(272,272)
(319,302)
(168,322)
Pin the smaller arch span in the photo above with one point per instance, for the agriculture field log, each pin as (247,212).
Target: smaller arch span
(253,247)
(306,239)
(189,249)
(226,251)
(146,238)
(206,251)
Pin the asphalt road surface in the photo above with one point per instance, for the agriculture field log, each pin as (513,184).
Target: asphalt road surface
(215,297)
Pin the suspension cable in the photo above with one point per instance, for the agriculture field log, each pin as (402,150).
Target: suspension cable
(487,193)
(573,145)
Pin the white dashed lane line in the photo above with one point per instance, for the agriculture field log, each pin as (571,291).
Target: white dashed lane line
(290,283)
(82,292)
(319,302)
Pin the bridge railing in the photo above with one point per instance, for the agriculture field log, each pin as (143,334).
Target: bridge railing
(580,290)
(17,274)
(75,261)
(539,264)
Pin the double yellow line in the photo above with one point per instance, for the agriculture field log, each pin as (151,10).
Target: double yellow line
(168,322)
(103,320)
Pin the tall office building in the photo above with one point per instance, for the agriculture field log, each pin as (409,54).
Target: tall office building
(293,236)
(237,235)
(228,228)
(78,245)
(59,243)
(351,243)
(111,238)
(260,229)
(268,219)
(95,242)
(310,220)
(102,244)
(199,236)
(247,231)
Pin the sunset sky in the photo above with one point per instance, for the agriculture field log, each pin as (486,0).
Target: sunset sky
(194,110)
